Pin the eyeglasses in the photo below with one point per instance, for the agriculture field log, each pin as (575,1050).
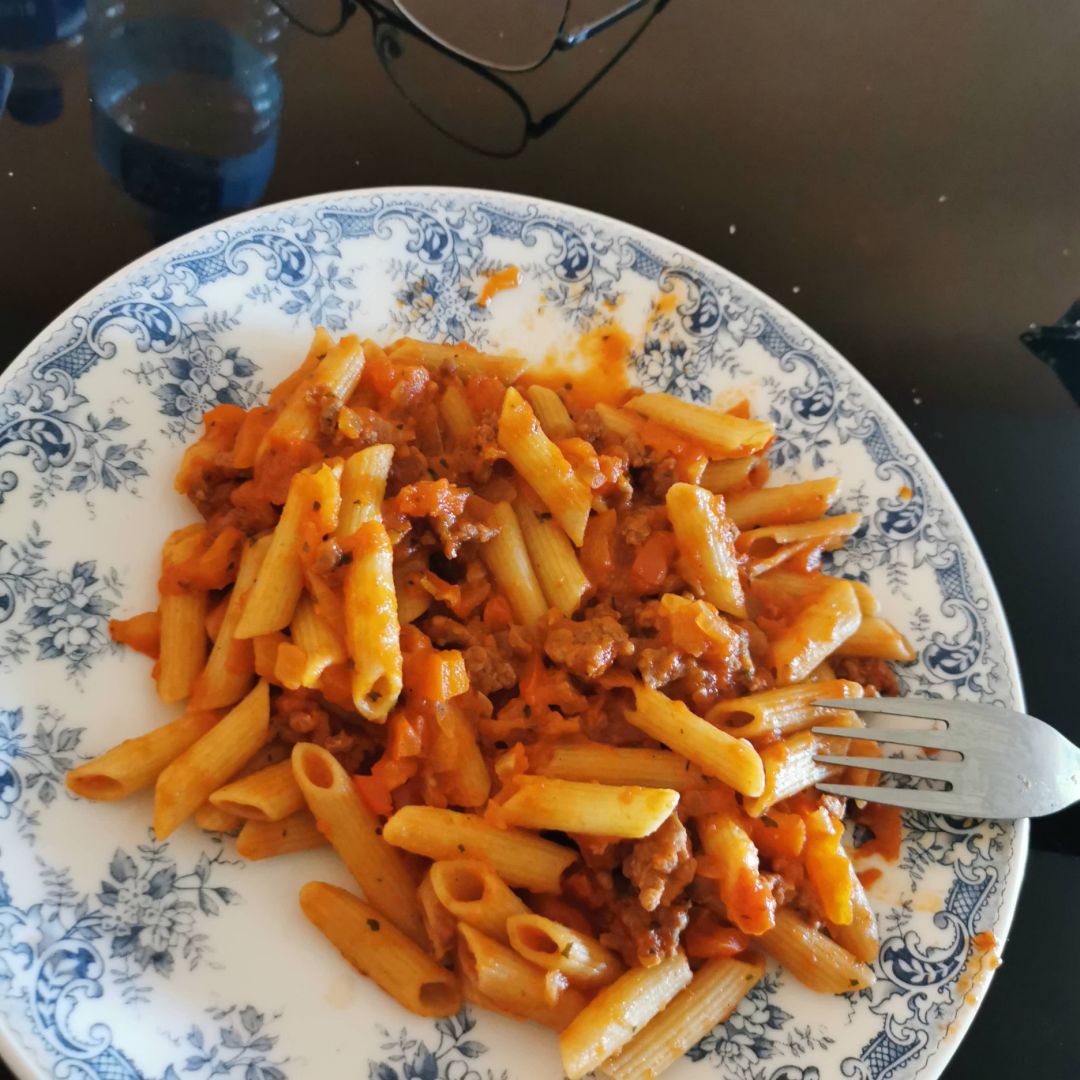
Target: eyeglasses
(499,34)
(455,93)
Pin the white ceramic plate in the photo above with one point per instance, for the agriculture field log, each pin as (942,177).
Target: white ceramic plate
(122,957)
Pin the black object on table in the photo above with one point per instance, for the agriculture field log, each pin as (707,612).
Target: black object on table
(903,177)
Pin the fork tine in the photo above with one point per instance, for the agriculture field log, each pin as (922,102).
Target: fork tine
(932,770)
(894,706)
(935,740)
(938,802)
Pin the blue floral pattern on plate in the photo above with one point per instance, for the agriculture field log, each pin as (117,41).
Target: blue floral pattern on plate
(114,949)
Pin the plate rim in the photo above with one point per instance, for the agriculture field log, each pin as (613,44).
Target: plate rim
(18,1059)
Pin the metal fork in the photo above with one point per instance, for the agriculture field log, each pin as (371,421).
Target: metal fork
(1012,765)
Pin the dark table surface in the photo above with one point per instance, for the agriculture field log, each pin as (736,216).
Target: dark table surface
(905,177)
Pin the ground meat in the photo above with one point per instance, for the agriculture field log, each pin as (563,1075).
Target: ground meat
(872,673)
(590,427)
(587,648)
(604,721)
(371,427)
(600,853)
(445,631)
(300,716)
(408,467)
(644,937)
(636,526)
(636,453)
(662,665)
(658,477)
(327,407)
(488,670)
(661,865)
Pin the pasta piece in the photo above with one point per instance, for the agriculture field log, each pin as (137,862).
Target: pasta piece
(554,947)
(813,958)
(412,598)
(439,925)
(860,936)
(733,863)
(543,467)
(508,560)
(504,981)
(363,485)
(313,496)
(474,894)
(463,358)
(183,619)
(456,412)
(211,818)
(720,477)
(618,1012)
(333,379)
(715,752)
(376,948)
(271,794)
(521,859)
(790,766)
(782,505)
(553,557)
(186,783)
(828,867)
(877,638)
(317,640)
(705,542)
(619,765)
(456,757)
(618,421)
(590,809)
(770,714)
(782,586)
(354,831)
(136,763)
(824,624)
(371,623)
(714,992)
(268,839)
(827,532)
(551,412)
(230,670)
(722,434)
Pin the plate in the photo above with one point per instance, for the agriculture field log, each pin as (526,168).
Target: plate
(122,957)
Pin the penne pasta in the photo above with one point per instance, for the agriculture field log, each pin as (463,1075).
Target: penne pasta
(714,992)
(439,925)
(618,1012)
(819,628)
(363,485)
(136,763)
(618,421)
(860,936)
(553,558)
(456,413)
(412,598)
(733,863)
(782,505)
(270,794)
(230,670)
(827,532)
(722,434)
(720,477)
(551,412)
(715,752)
(619,765)
(520,858)
(183,619)
(272,600)
(590,809)
(321,344)
(508,560)
(268,839)
(554,947)
(503,980)
(782,587)
(790,767)
(541,464)
(474,894)
(371,623)
(705,541)
(877,638)
(211,818)
(358,837)
(456,758)
(378,949)
(458,357)
(770,714)
(319,643)
(187,782)
(813,958)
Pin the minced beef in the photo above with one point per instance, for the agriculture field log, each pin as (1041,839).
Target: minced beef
(587,648)
(661,865)
(645,937)
(488,670)
(870,672)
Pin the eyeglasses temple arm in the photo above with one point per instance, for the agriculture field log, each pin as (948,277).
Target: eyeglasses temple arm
(570,38)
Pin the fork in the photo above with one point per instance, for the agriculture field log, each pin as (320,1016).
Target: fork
(1011,766)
